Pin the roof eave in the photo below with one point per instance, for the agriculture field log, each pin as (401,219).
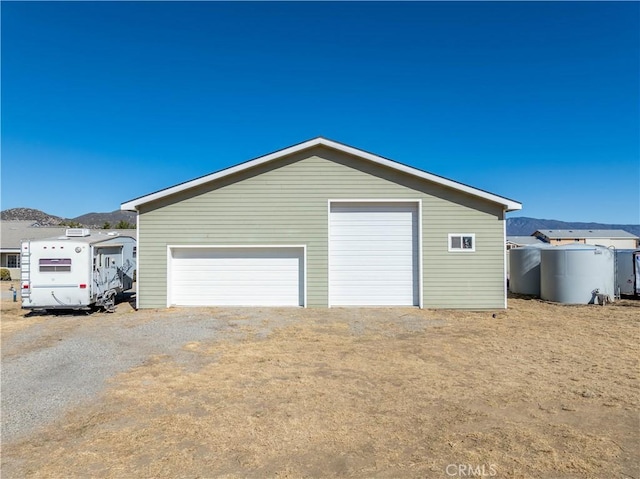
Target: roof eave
(508,204)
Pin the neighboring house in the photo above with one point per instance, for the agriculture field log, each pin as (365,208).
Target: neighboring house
(518,241)
(321,224)
(12,233)
(619,239)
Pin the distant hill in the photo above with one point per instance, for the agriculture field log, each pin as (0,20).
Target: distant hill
(524,226)
(25,214)
(521,226)
(89,220)
(99,219)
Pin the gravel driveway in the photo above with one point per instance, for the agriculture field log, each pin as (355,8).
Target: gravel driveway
(67,359)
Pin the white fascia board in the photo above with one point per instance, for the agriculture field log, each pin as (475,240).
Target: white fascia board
(509,204)
(133,204)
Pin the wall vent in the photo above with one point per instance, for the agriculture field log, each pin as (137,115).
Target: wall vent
(77,232)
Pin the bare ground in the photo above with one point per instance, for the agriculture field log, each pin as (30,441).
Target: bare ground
(538,391)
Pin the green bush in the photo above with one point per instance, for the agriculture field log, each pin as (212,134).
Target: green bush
(5,274)
(124,225)
(71,224)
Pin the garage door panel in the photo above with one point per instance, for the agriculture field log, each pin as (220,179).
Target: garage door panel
(362,251)
(242,254)
(222,280)
(375,273)
(237,267)
(374,254)
(253,276)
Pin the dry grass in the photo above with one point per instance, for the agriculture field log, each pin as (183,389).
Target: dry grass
(12,318)
(539,391)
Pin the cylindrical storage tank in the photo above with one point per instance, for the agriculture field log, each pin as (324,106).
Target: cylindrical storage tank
(570,274)
(524,274)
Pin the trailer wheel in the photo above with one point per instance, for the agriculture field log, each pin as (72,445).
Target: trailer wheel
(109,302)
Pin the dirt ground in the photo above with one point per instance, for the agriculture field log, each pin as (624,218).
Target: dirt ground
(538,391)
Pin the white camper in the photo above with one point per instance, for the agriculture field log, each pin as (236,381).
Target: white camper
(81,270)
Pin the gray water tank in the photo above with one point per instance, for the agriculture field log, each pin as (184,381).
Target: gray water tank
(569,273)
(524,274)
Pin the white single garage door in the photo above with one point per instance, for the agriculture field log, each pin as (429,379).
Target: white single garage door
(236,276)
(373,259)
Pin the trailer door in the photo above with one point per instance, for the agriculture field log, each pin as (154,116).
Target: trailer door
(107,264)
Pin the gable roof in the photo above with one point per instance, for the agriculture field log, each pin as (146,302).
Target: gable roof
(510,205)
(566,234)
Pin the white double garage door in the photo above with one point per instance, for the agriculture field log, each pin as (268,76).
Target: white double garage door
(373,260)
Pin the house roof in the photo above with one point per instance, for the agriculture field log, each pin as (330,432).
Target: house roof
(14,232)
(577,233)
(523,240)
(510,205)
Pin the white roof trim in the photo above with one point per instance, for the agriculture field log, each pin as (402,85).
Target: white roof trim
(509,204)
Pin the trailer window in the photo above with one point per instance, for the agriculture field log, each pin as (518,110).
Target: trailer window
(55,264)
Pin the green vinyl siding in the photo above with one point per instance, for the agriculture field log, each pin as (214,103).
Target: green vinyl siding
(286,202)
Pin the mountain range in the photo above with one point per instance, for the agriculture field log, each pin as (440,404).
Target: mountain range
(519,226)
(88,220)
(524,226)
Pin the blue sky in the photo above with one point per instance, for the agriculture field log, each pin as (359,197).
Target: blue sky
(103,102)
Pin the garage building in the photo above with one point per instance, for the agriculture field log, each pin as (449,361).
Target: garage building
(321,224)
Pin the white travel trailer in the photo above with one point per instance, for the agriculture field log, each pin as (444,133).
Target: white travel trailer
(81,270)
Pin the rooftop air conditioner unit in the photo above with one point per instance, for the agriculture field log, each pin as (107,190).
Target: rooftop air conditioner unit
(77,232)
